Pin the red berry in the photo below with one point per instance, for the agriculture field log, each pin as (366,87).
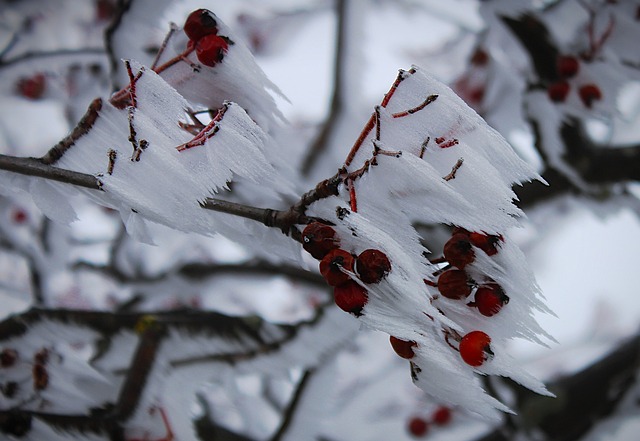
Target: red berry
(454,284)
(40,376)
(480,57)
(19,216)
(475,348)
(458,251)
(589,93)
(567,66)
(8,357)
(350,297)
(330,267)
(372,266)
(211,48)
(402,347)
(199,23)
(490,299)
(558,92)
(441,416)
(418,426)
(32,87)
(486,242)
(318,239)
(105,9)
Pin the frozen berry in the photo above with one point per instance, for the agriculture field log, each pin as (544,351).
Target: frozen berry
(458,251)
(480,57)
(441,416)
(475,348)
(490,299)
(350,297)
(105,9)
(402,347)
(211,48)
(567,66)
(331,264)
(372,266)
(486,242)
(589,93)
(454,284)
(9,389)
(318,239)
(32,87)
(558,92)
(199,23)
(418,426)
(19,216)
(8,357)
(40,377)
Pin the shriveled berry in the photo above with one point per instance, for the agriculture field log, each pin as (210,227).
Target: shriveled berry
(490,299)
(32,87)
(330,266)
(486,242)
(589,93)
(418,426)
(402,347)
(458,251)
(372,266)
(454,284)
(351,297)
(475,348)
(558,92)
(8,357)
(567,66)
(199,23)
(441,416)
(211,48)
(318,239)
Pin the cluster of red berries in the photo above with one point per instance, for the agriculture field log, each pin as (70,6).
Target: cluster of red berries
(371,266)
(32,87)
(419,426)
(456,284)
(567,66)
(202,29)
(40,375)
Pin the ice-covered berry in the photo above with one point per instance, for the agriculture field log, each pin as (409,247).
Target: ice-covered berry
(199,23)
(567,66)
(589,93)
(318,239)
(454,284)
(8,357)
(403,348)
(490,299)
(211,48)
(475,348)
(418,426)
(441,416)
(331,264)
(351,297)
(486,242)
(32,87)
(372,266)
(458,251)
(558,91)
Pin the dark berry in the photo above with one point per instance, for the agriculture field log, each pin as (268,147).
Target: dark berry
(330,267)
(475,348)
(199,23)
(210,49)
(402,347)
(490,299)
(351,297)
(105,9)
(480,57)
(559,91)
(8,357)
(418,426)
(40,377)
(318,239)
(372,266)
(567,66)
(32,87)
(589,93)
(9,389)
(441,416)
(458,251)
(486,242)
(454,284)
